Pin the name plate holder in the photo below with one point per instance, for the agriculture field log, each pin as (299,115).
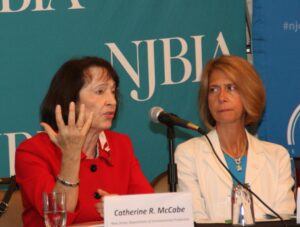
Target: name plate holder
(149,210)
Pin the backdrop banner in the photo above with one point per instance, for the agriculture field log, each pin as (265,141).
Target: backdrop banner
(158,48)
(276,35)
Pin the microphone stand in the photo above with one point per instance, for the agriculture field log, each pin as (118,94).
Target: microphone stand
(172,167)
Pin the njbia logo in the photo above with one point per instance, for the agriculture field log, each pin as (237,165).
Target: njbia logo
(38,5)
(291,128)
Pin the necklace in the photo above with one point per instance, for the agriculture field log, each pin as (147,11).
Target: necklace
(238,161)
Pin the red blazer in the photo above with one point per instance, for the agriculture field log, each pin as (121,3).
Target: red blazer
(38,163)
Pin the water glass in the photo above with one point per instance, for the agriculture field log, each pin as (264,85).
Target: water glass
(242,212)
(55,209)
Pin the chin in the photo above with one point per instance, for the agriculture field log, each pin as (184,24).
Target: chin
(102,125)
(106,126)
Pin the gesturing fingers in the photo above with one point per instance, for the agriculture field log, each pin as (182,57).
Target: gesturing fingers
(51,133)
(82,122)
(72,115)
(59,118)
(70,135)
(81,117)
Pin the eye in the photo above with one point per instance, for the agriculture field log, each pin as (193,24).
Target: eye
(99,91)
(231,87)
(214,89)
(114,90)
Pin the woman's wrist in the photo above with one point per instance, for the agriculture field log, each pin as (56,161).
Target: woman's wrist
(67,182)
(71,156)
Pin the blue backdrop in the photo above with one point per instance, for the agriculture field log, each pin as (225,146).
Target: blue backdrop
(276,45)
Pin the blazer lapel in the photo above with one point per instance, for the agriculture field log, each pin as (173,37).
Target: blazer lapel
(255,159)
(212,161)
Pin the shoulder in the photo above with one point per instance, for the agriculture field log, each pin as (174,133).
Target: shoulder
(118,141)
(40,139)
(196,145)
(120,144)
(114,136)
(190,144)
(269,148)
(38,146)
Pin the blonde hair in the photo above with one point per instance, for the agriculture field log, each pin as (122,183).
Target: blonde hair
(248,82)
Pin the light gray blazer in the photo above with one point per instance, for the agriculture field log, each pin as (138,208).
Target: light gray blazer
(268,173)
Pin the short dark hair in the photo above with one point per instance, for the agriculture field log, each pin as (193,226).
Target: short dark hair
(66,85)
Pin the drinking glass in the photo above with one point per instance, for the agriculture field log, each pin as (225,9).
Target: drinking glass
(242,212)
(55,209)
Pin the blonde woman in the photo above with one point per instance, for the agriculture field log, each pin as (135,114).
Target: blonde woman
(232,97)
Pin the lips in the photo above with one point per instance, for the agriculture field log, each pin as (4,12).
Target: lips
(224,110)
(109,114)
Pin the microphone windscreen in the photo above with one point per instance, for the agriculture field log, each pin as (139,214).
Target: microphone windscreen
(154,113)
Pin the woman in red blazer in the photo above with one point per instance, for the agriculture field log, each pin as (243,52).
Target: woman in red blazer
(78,154)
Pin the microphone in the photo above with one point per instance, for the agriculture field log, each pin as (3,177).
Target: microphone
(158,115)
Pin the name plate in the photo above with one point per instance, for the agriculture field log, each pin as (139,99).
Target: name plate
(149,210)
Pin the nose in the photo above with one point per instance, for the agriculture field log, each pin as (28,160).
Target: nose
(222,95)
(111,99)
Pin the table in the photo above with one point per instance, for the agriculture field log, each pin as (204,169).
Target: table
(88,224)
(290,223)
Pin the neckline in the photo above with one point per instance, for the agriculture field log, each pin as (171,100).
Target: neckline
(239,158)
(244,153)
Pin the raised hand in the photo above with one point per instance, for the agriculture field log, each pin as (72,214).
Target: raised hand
(69,137)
